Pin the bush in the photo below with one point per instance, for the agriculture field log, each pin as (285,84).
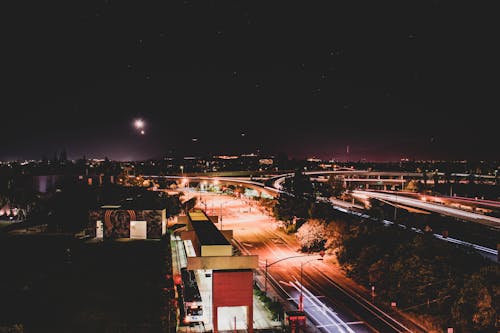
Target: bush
(16,328)
(275,307)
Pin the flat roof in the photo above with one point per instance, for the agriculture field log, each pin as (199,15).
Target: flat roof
(208,234)
(205,230)
(111,206)
(198,216)
(131,204)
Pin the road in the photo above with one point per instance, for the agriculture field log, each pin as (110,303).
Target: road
(490,221)
(491,254)
(486,252)
(333,302)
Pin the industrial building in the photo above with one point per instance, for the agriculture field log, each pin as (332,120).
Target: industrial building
(225,277)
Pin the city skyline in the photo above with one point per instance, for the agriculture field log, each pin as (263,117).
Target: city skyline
(389,80)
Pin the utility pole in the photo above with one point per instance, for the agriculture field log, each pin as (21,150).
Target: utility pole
(396,208)
(265,280)
(221,216)
(301,297)
(322,253)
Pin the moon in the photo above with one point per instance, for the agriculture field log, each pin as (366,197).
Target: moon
(139,124)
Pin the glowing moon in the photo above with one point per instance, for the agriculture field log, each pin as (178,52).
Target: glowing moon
(139,124)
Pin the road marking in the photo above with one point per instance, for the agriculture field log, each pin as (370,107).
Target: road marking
(348,323)
(358,300)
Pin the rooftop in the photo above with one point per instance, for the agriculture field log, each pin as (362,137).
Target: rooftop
(205,230)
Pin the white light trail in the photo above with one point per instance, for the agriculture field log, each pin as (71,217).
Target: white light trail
(333,320)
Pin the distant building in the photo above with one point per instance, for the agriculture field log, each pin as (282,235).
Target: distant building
(266,161)
(47,183)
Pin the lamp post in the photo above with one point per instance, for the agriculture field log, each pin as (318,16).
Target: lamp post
(221,216)
(322,253)
(265,280)
(221,204)
(301,297)
(275,262)
(396,207)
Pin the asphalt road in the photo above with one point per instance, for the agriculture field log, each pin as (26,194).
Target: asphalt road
(333,302)
(490,221)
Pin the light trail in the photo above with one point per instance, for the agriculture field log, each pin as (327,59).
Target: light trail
(333,320)
(495,222)
(477,247)
(372,308)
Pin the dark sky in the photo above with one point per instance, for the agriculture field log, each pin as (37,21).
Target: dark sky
(389,79)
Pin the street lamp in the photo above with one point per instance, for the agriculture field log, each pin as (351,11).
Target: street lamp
(322,253)
(396,207)
(301,298)
(221,215)
(275,262)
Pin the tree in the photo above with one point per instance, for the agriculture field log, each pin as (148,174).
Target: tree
(378,270)
(321,210)
(335,231)
(425,178)
(471,178)
(173,205)
(297,200)
(435,178)
(14,328)
(376,209)
(413,186)
(478,302)
(312,235)
(447,177)
(337,185)
(189,204)
(299,185)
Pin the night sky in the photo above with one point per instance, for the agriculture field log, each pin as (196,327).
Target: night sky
(389,79)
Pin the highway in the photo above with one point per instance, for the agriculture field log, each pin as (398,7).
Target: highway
(329,302)
(333,303)
(346,207)
(490,221)
(486,252)
(335,307)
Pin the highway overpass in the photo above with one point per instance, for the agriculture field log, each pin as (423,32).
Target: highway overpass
(490,221)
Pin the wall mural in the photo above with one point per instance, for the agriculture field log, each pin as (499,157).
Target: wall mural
(116,222)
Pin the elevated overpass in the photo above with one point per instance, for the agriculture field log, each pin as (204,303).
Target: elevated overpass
(272,184)
(237,181)
(276,181)
(349,177)
(394,198)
